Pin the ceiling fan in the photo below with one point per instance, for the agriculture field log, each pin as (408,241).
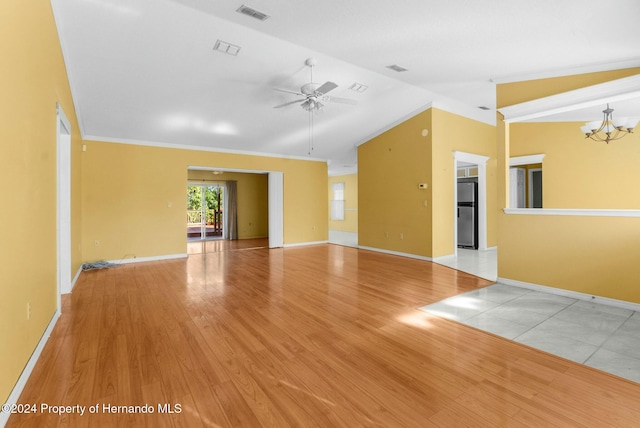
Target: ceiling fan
(313,95)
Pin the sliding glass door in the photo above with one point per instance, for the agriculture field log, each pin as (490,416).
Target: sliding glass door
(205,211)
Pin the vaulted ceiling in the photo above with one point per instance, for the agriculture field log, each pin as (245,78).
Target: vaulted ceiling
(146,70)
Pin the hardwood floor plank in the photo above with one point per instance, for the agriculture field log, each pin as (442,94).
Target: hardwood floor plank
(234,407)
(257,400)
(323,336)
(285,391)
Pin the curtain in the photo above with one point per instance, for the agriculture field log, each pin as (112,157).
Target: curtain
(231,210)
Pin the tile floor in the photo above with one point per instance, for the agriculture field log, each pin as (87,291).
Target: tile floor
(479,263)
(600,336)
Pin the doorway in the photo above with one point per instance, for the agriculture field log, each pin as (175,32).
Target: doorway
(482,261)
(535,187)
(63,139)
(205,211)
(275,199)
(477,164)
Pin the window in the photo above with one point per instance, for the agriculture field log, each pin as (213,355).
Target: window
(337,203)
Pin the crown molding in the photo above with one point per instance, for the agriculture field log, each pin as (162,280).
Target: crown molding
(195,148)
(615,90)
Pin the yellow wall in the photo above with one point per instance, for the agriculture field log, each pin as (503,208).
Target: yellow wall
(508,94)
(253,199)
(592,255)
(391,166)
(33,79)
(350,222)
(451,133)
(579,172)
(134,197)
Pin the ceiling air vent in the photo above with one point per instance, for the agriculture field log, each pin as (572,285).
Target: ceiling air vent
(358,87)
(396,67)
(227,48)
(246,10)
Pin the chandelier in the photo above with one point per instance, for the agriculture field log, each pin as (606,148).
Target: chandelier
(609,129)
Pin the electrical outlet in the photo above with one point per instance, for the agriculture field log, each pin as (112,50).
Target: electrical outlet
(28,310)
(96,243)
(401,235)
(386,234)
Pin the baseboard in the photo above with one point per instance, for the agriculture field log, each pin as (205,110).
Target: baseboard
(572,294)
(396,253)
(347,239)
(75,278)
(303,244)
(149,259)
(443,258)
(451,256)
(344,244)
(14,396)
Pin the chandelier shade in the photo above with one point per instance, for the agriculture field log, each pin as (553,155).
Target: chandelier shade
(609,129)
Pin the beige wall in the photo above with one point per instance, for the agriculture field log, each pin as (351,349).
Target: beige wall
(508,94)
(394,214)
(592,255)
(391,211)
(253,199)
(579,172)
(133,197)
(451,133)
(350,222)
(32,81)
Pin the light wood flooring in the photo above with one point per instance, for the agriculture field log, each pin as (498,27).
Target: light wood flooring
(317,336)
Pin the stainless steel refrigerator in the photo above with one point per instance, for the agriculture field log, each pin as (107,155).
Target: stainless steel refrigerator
(468,215)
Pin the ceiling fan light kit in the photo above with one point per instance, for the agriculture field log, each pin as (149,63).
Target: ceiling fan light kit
(313,96)
(609,129)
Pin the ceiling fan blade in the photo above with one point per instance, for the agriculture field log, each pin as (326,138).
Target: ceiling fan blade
(289,103)
(326,87)
(288,91)
(339,100)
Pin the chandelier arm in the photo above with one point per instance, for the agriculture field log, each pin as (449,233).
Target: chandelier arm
(607,131)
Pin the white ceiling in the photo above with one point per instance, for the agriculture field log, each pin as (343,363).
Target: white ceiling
(145,70)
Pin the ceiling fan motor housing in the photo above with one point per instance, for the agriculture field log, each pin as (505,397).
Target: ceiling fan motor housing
(309,88)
